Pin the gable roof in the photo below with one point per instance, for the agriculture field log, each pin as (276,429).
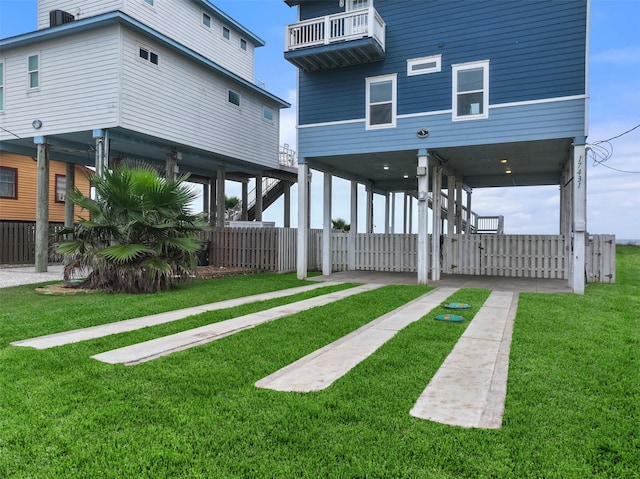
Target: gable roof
(118,17)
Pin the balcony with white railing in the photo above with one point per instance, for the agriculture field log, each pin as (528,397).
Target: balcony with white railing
(333,41)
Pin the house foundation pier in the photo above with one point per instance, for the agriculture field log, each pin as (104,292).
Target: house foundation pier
(42,205)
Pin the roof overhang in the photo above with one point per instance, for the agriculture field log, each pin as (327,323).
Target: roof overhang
(220,15)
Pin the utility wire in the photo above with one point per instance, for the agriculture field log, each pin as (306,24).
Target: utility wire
(602,151)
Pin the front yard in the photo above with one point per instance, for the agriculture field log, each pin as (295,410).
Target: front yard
(571,407)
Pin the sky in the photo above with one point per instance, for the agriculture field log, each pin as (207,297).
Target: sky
(613,186)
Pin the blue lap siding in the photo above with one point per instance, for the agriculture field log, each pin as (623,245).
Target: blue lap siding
(536,51)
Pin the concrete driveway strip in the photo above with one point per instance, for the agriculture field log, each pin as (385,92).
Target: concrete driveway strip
(321,368)
(470,387)
(84,334)
(155,348)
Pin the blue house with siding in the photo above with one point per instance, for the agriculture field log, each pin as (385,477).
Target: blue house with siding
(431,95)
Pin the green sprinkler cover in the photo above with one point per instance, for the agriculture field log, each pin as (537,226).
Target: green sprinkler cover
(452,318)
(457,306)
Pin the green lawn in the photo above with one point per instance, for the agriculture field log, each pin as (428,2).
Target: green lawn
(571,410)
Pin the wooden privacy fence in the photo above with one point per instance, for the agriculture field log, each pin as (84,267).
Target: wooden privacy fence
(18,242)
(517,256)
(262,249)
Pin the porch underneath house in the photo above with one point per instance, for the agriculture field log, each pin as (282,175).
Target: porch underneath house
(439,180)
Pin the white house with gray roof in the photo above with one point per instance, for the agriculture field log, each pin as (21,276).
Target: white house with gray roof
(163,81)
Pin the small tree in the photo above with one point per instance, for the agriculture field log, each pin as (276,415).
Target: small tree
(340,225)
(141,236)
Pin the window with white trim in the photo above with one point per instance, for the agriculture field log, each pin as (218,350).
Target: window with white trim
(8,183)
(206,20)
(226,34)
(234,97)
(357,4)
(61,188)
(471,90)
(33,68)
(1,86)
(381,101)
(148,55)
(424,65)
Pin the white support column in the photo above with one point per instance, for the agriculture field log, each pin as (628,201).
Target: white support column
(392,229)
(287,204)
(42,205)
(579,217)
(259,193)
(410,227)
(326,225)
(303,232)
(369,209)
(387,203)
(353,228)
(467,228)
(436,229)
(70,183)
(404,213)
(220,206)
(458,214)
(423,212)
(451,204)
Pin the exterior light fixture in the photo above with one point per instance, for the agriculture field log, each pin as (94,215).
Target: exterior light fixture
(386,167)
(405,176)
(503,161)
(508,171)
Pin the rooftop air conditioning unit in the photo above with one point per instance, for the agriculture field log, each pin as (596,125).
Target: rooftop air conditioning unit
(60,17)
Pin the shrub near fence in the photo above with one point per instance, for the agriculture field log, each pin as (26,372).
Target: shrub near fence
(18,242)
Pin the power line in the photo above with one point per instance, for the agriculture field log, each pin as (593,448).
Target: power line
(602,151)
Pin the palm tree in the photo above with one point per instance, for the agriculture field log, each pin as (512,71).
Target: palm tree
(140,237)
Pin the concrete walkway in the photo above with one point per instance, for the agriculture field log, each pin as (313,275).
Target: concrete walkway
(470,387)
(11,276)
(84,334)
(148,350)
(321,368)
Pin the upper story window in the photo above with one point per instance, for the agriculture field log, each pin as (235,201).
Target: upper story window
(234,97)
(381,101)
(358,4)
(267,113)
(148,55)
(243,44)
(61,188)
(424,65)
(34,71)
(8,182)
(206,20)
(471,90)
(226,34)
(1,86)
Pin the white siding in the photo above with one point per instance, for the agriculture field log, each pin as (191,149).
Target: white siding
(78,85)
(181,20)
(78,8)
(184,102)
